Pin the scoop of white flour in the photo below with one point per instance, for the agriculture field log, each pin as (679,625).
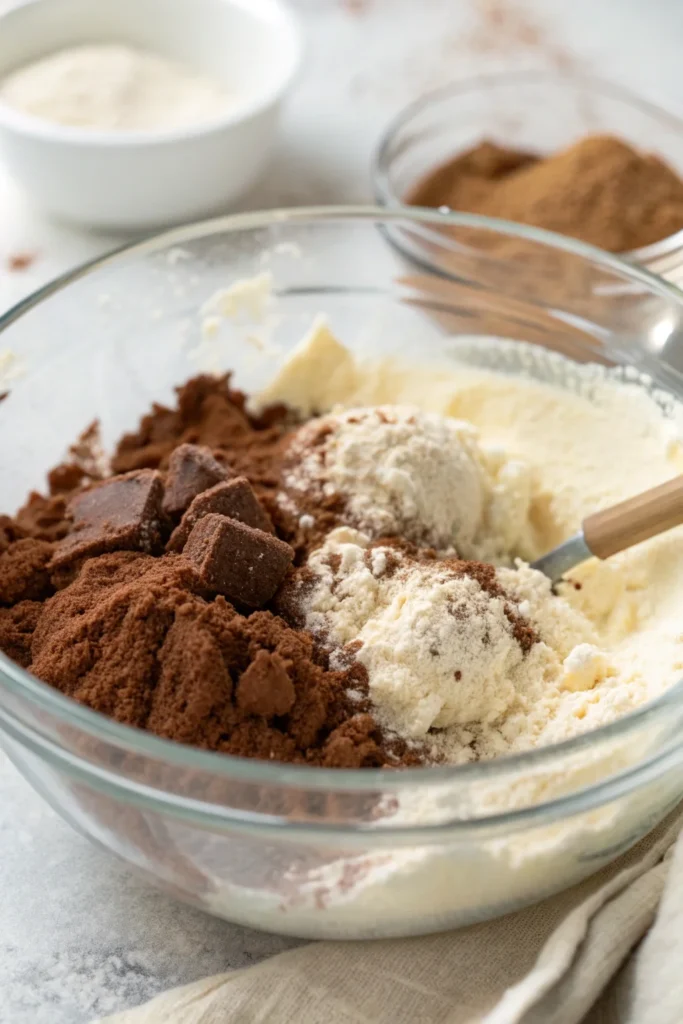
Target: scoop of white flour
(416,474)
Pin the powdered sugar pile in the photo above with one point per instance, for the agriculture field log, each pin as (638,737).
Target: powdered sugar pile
(113,87)
(417,475)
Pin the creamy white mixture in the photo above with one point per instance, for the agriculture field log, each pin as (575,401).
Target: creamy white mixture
(610,646)
(114,88)
(494,467)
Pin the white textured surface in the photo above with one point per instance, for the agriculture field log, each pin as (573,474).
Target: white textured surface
(79,936)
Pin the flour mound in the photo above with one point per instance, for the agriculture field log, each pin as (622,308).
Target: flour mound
(401,472)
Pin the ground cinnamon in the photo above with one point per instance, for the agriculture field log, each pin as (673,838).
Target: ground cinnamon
(599,190)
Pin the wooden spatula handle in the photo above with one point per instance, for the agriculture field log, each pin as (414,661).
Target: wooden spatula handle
(632,521)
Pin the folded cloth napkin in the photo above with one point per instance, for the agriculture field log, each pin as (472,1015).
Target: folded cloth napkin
(557,962)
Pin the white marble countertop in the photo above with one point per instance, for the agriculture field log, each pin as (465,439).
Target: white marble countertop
(79,935)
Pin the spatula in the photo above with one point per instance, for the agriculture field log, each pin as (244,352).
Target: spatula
(614,529)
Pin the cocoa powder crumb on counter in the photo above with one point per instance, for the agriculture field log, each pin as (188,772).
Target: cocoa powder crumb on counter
(18,261)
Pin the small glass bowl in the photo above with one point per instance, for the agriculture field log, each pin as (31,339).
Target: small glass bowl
(330,853)
(538,111)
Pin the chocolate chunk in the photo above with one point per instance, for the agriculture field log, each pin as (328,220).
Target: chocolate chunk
(232,498)
(265,688)
(191,470)
(245,564)
(120,514)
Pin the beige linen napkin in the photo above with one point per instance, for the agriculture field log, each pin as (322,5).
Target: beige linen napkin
(649,988)
(547,964)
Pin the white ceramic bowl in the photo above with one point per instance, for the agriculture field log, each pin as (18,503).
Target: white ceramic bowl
(139,180)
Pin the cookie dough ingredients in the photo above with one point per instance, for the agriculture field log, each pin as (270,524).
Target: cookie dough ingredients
(114,88)
(599,190)
(146,637)
(426,652)
(625,647)
(444,642)
(397,471)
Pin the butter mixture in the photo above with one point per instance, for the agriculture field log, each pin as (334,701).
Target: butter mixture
(479,659)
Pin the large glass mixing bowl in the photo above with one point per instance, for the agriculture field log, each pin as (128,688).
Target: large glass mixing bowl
(307,851)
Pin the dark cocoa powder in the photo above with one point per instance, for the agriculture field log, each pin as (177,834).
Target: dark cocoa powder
(24,574)
(211,413)
(139,637)
(17,625)
(134,638)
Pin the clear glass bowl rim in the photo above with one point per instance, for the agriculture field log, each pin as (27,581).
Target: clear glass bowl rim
(385,196)
(99,727)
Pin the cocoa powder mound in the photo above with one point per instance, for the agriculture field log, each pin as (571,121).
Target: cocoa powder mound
(24,574)
(17,625)
(136,634)
(212,413)
(10,531)
(133,638)
(599,190)
(44,518)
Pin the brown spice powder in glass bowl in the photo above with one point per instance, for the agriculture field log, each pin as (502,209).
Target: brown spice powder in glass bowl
(599,190)
(551,150)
